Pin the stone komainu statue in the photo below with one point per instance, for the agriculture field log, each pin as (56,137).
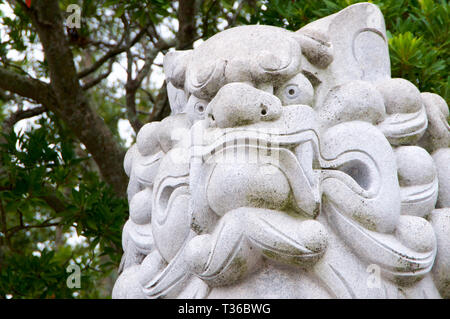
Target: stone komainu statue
(292,166)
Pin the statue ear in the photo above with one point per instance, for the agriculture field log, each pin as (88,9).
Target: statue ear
(175,64)
(358,37)
(316,47)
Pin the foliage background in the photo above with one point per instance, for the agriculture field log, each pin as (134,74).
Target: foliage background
(53,184)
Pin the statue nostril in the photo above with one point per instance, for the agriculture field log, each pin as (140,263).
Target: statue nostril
(263,111)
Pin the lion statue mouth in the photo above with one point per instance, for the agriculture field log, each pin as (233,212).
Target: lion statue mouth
(293,150)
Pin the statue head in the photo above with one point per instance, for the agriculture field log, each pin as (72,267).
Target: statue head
(347,186)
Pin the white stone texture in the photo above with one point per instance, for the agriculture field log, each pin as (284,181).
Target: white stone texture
(292,166)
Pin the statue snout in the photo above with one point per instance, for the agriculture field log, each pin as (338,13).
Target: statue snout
(239,104)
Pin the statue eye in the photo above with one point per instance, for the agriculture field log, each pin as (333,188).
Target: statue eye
(298,90)
(196,108)
(200,107)
(292,91)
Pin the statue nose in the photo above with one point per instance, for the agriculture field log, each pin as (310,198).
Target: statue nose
(238,104)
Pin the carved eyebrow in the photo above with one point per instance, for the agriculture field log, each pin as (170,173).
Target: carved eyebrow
(211,80)
(315,81)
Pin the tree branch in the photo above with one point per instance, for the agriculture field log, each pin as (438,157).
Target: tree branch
(186,19)
(4,224)
(27,87)
(20,115)
(111,53)
(205,22)
(160,105)
(73,106)
(54,202)
(22,227)
(133,84)
(98,79)
(232,20)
